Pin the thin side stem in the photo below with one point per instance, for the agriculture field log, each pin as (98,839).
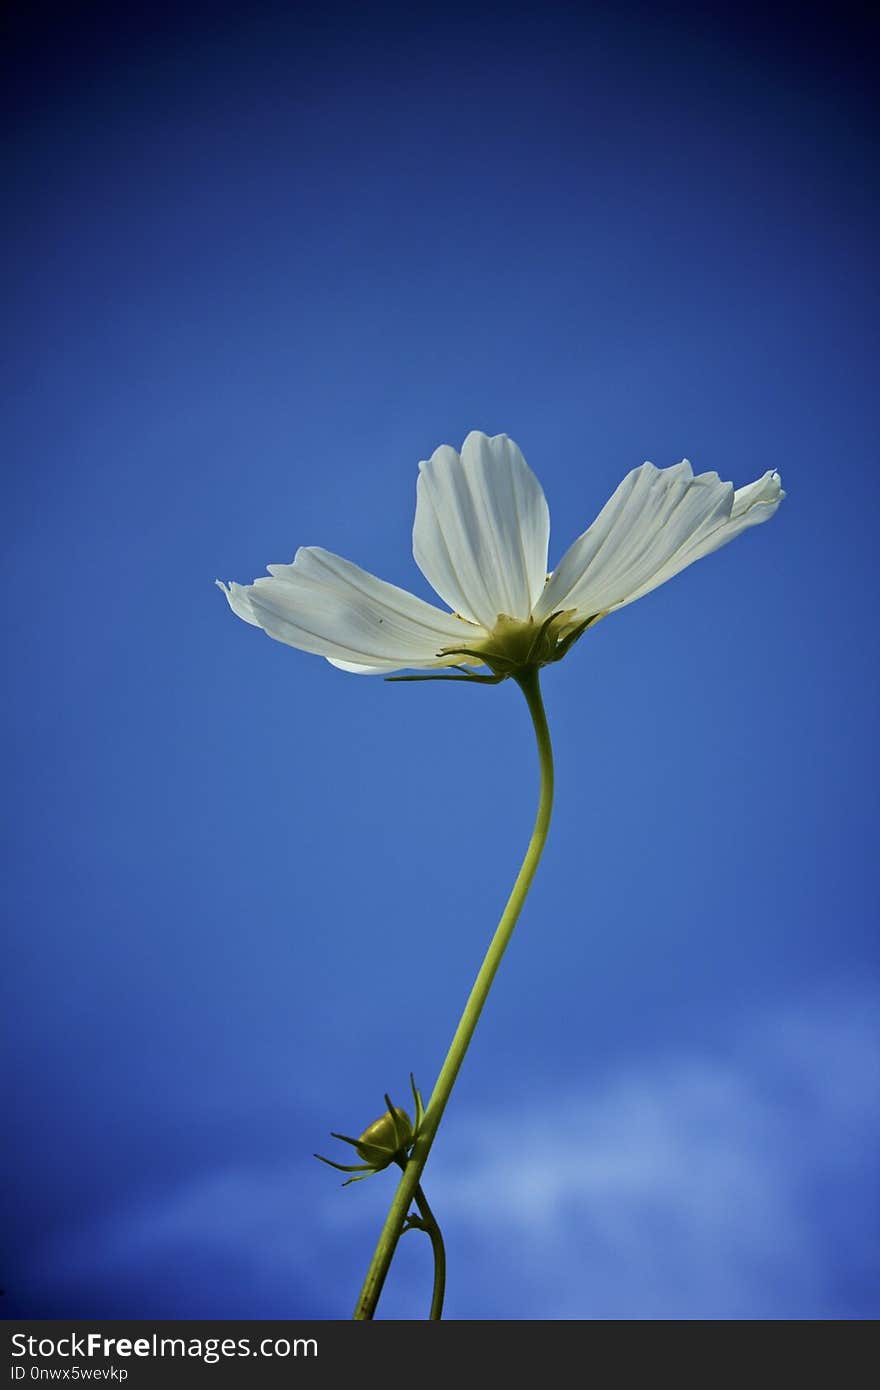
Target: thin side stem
(429,1224)
(426,1221)
(391,1231)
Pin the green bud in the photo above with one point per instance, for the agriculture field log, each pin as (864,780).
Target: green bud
(386,1139)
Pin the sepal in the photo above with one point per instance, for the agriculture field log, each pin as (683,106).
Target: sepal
(389,1139)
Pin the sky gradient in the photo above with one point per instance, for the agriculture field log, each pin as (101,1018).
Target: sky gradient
(258,267)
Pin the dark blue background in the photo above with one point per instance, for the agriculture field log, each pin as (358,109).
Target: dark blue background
(259,265)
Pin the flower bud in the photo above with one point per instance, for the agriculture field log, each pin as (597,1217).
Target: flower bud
(386,1139)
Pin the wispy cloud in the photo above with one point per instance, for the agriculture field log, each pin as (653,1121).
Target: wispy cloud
(686,1187)
(732,1185)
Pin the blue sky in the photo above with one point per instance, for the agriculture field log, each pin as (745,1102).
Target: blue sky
(258,267)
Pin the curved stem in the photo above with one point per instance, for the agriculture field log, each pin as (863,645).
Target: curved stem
(387,1244)
(428,1224)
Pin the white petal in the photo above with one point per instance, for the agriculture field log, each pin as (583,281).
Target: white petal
(752,504)
(358,670)
(656,523)
(326,605)
(766,492)
(482,528)
(237,596)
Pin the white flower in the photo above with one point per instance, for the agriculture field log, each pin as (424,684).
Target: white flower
(480,538)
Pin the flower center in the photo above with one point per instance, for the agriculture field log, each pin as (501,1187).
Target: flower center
(516,644)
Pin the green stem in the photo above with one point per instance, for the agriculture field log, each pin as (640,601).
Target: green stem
(426,1221)
(429,1224)
(387,1244)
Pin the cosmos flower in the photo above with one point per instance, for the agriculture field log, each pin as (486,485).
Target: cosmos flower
(480,538)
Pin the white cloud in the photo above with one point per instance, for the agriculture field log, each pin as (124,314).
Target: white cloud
(686,1187)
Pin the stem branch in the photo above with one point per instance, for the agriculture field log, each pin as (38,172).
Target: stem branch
(428,1223)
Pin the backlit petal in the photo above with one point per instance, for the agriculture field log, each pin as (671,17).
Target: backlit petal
(752,504)
(482,528)
(656,523)
(326,605)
